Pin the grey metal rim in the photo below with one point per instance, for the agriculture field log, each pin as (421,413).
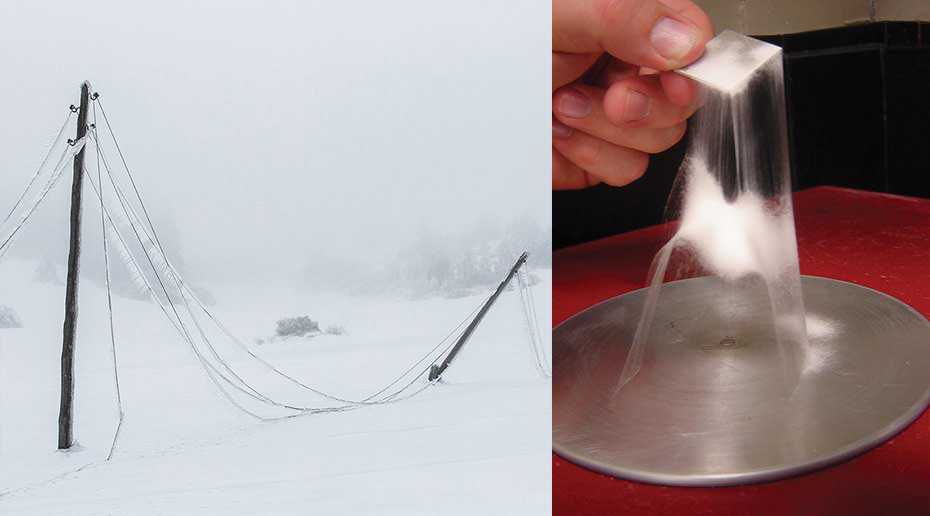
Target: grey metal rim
(575,446)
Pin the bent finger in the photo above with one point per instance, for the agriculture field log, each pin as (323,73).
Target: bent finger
(603,160)
(679,90)
(582,107)
(642,102)
(567,68)
(568,176)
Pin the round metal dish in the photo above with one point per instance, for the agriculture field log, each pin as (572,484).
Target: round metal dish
(709,407)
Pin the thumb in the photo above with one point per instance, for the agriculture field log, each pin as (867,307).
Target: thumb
(662,35)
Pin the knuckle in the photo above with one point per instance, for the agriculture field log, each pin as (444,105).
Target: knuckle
(609,10)
(588,154)
(665,139)
(657,146)
(689,110)
(624,13)
(633,166)
(637,165)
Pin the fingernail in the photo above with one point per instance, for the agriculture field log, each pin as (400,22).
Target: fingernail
(573,104)
(672,38)
(560,130)
(637,106)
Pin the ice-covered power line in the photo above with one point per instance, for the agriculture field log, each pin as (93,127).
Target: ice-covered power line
(56,141)
(106,267)
(155,255)
(126,224)
(9,231)
(531,322)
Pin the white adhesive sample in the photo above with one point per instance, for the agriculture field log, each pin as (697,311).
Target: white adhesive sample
(729,60)
(735,238)
(734,209)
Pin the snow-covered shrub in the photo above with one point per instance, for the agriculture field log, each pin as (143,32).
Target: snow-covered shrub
(333,329)
(9,318)
(296,326)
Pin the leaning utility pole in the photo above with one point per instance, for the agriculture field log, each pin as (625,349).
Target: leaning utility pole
(436,371)
(66,413)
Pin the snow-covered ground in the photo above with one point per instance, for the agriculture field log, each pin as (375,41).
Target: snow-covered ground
(479,443)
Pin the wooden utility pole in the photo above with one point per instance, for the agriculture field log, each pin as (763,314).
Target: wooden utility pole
(437,370)
(66,412)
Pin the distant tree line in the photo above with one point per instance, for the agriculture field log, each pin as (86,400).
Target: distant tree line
(458,264)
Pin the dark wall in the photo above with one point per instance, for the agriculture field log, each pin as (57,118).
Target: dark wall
(858,113)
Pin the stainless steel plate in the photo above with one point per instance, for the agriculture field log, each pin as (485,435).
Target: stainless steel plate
(709,407)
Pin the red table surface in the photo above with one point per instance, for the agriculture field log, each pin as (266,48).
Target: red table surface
(876,240)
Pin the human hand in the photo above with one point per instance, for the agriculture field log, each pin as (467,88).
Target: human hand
(614,100)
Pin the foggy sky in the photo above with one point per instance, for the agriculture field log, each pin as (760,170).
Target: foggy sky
(271,130)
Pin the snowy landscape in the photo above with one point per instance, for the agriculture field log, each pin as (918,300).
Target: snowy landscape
(319,388)
(478,442)
(337,189)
